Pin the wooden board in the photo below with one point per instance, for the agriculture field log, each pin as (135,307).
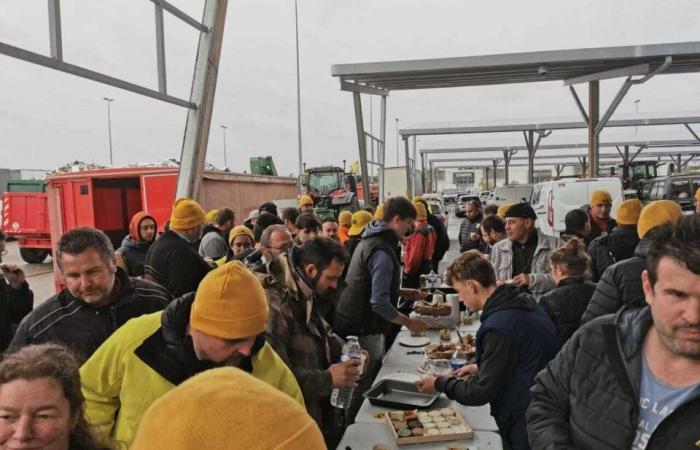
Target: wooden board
(467,434)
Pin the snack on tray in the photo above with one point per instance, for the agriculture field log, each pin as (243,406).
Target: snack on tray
(440,351)
(468,341)
(432,309)
(445,335)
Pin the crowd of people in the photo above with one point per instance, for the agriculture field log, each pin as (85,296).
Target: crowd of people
(205,333)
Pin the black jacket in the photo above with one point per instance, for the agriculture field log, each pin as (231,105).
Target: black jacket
(175,264)
(611,248)
(442,244)
(595,232)
(14,305)
(566,303)
(467,227)
(587,398)
(82,327)
(515,341)
(620,284)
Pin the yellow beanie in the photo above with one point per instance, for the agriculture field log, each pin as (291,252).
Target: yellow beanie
(628,212)
(600,197)
(230,303)
(502,210)
(240,230)
(697,195)
(186,214)
(422,213)
(223,409)
(379,212)
(658,213)
(359,221)
(210,216)
(417,198)
(305,200)
(345,218)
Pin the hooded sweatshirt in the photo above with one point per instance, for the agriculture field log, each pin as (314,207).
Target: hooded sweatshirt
(134,248)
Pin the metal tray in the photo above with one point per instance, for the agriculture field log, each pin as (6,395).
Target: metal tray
(399,394)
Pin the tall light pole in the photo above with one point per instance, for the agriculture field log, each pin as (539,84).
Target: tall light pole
(397,142)
(223,130)
(636,112)
(109,127)
(296,25)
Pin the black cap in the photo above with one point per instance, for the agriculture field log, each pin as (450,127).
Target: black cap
(269,207)
(522,211)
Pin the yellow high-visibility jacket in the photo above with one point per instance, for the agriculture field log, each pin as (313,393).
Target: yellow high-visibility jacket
(119,385)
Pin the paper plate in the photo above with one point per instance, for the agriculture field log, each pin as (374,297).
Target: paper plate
(414,341)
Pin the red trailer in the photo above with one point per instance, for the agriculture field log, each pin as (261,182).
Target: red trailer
(25,217)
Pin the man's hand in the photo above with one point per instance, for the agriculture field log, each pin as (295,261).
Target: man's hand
(417,325)
(465,371)
(426,385)
(345,374)
(521,280)
(413,294)
(14,275)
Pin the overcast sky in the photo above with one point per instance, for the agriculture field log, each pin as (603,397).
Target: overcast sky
(49,118)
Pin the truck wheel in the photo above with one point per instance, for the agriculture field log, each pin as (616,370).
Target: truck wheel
(34,255)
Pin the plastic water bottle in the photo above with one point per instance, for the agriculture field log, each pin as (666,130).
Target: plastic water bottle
(432,280)
(459,360)
(341,397)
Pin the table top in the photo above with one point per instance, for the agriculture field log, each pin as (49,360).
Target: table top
(363,436)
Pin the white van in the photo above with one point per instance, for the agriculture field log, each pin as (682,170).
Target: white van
(511,194)
(552,199)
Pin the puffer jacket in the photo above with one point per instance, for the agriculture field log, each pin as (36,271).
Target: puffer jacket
(540,279)
(82,327)
(148,357)
(587,398)
(620,284)
(611,248)
(299,334)
(442,243)
(466,229)
(566,303)
(133,249)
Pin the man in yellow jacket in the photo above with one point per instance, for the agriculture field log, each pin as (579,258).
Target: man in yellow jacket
(219,325)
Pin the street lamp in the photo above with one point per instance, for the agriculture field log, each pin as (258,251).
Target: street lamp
(397,142)
(296,26)
(223,130)
(109,127)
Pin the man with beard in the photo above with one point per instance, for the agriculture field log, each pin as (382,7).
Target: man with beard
(631,380)
(299,284)
(219,325)
(131,256)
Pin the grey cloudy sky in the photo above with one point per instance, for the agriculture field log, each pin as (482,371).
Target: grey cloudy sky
(48,118)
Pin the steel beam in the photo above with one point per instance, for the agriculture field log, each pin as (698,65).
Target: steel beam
(182,16)
(593,115)
(55,34)
(579,105)
(495,172)
(160,48)
(362,145)
(638,69)
(697,138)
(354,87)
(206,68)
(382,151)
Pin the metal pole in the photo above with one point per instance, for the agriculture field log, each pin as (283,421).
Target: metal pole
(414,167)
(593,117)
(362,145)
(197,127)
(408,170)
(487,177)
(397,142)
(109,128)
(223,130)
(530,142)
(495,170)
(296,25)
(160,49)
(55,34)
(382,150)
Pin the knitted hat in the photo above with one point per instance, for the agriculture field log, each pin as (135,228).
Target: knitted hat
(186,214)
(210,216)
(379,212)
(628,212)
(522,211)
(359,221)
(345,218)
(305,200)
(421,211)
(503,209)
(223,409)
(230,303)
(416,198)
(239,230)
(600,197)
(657,213)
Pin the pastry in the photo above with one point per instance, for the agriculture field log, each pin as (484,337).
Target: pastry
(409,415)
(398,424)
(425,419)
(417,431)
(423,415)
(445,431)
(432,309)
(404,432)
(429,425)
(432,432)
(443,425)
(414,424)
(396,415)
(447,412)
(434,414)
(440,351)
(445,335)
(454,420)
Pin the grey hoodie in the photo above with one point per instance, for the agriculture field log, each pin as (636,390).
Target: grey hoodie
(380,268)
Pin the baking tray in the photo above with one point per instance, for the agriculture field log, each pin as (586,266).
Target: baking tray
(399,394)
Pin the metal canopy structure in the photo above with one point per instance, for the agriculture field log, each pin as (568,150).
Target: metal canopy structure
(631,143)
(200,104)
(569,66)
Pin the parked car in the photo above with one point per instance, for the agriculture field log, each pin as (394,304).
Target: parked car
(552,199)
(680,188)
(438,209)
(484,196)
(512,194)
(462,203)
(449,195)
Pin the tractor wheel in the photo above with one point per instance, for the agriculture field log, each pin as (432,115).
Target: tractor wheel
(34,255)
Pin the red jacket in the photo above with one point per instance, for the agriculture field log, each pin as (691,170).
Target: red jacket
(419,247)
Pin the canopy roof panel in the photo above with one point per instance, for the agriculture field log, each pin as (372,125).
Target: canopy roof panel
(553,65)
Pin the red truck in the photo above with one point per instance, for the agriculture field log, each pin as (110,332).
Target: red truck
(107,199)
